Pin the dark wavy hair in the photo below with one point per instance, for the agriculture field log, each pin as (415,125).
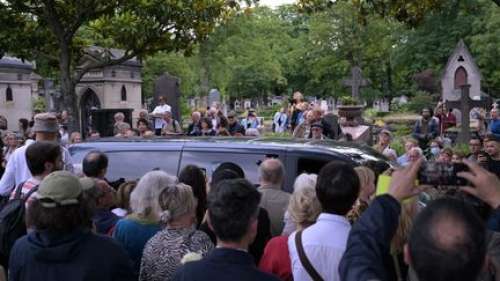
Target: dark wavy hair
(194,177)
(60,219)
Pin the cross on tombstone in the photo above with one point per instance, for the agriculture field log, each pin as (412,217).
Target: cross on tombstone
(356,82)
(465,104)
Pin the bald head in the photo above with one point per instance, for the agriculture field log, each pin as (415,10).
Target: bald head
(272,172)
(447,242)
(95,164)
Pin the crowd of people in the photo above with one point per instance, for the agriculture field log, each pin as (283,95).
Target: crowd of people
(430,143)
(222,227)
(192,226)
(300,119)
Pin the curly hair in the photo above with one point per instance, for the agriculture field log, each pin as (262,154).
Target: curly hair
(61,219)
(304,207)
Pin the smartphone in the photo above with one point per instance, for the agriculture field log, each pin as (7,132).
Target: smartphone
(434,173)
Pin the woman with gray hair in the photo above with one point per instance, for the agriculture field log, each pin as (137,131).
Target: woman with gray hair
(303,210)
(164,252)
(133,231)
(307,181)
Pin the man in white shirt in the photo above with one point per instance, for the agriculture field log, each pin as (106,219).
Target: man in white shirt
(325,242)
(16,172)
(158,114)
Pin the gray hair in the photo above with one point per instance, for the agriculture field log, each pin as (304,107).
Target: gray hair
(123,126)
(304,207)
(119,115)
(272,171)
(176,201)
(418,150)
(144,199)
(305,181)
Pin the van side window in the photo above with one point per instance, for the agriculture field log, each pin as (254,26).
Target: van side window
(310,165)
(123,164)
(210,160)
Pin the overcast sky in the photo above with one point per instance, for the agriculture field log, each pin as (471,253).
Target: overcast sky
(274,3)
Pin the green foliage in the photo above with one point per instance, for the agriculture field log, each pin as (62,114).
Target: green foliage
(175,64)
(398,145)
(418,102)
(461,148)
(348,100)
(61,32)
(39,104)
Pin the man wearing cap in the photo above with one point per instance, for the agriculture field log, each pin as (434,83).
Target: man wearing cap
(158,114)
(61,245)
(383,145)
(17,171)
(235,128)
(317,131)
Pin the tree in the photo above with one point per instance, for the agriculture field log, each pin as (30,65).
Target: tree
(61,32)
(409,12)
(175,64)
(244,55)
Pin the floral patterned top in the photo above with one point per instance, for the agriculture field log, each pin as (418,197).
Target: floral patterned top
(163,252)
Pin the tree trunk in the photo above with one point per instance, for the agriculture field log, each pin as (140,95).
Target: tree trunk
(68,89)
(204,71)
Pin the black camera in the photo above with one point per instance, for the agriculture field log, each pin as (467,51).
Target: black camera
(436,174)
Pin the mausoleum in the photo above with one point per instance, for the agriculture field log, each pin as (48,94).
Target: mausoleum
(18,86)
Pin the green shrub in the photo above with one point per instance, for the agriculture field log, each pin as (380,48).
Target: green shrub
(418,102)
(39,104)
(398,144)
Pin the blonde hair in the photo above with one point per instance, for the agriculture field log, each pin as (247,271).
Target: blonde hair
(304,207)
(176,201)
(408,212)
(144,199)
(365,174)
(305,181)
(123,194)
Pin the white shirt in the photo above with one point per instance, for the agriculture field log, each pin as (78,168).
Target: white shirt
(324,244)
(160,109)
(17,170)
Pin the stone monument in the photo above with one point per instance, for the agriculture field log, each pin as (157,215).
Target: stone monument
(355,82)
(168,86)
(460,70)
(465,104)
(214,98)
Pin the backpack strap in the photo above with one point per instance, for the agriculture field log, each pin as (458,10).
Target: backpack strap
(18,190)
(32,190)
(304,260)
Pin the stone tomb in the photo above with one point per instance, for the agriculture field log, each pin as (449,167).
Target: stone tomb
(167,86)
(461,70)
(214,98)
(18,84)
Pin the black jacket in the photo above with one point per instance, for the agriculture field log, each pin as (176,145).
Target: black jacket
(236,128)
(194,129)
(79,256)
(369,242)
(223,264)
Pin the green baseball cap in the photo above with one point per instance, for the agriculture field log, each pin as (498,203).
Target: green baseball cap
(60,188)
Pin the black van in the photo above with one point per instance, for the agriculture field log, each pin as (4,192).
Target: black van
(132,158)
